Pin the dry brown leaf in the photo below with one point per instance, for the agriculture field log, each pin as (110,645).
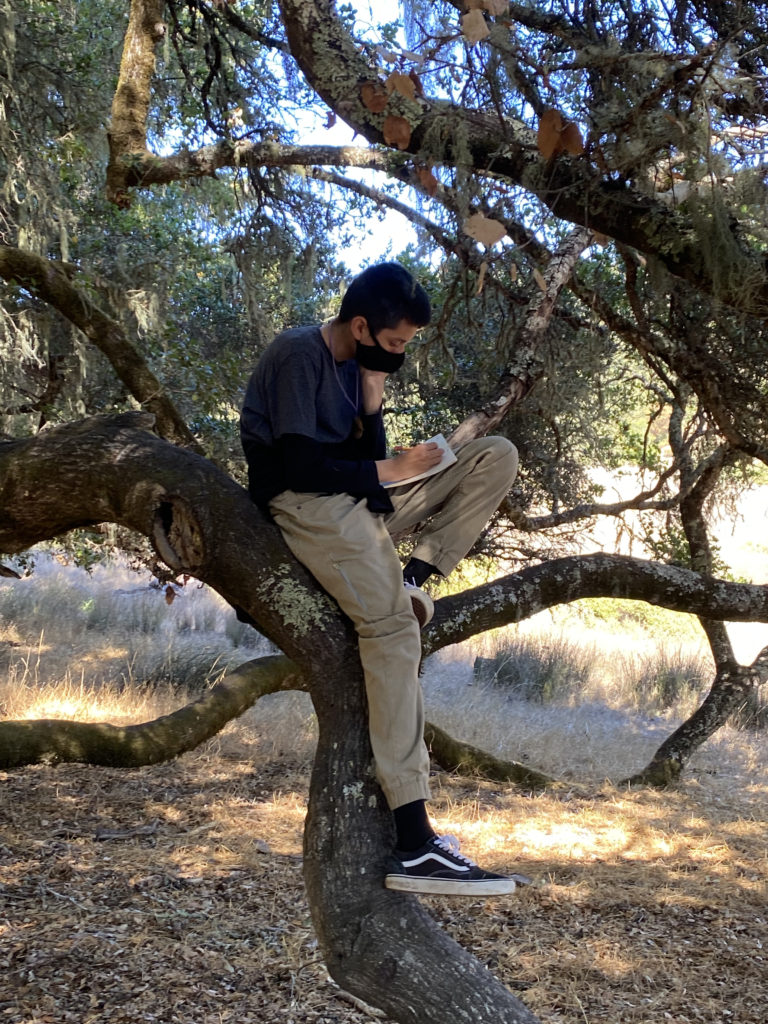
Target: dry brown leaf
(374,97)
(481,277)
(474,5)
(513,273)
(538,277)
(571,140)
(397,131)
(404,84)
(474,27)
(484,229)
(416,83)
(170,594)
(428,180)
(548,136)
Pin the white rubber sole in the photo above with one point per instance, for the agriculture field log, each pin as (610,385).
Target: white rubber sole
(451,887)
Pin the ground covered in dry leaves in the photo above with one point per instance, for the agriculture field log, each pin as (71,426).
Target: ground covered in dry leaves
(175,894)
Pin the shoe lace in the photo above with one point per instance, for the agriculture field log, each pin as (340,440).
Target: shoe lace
(410,585)
(450,844)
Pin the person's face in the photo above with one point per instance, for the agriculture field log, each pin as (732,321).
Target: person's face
(393,339)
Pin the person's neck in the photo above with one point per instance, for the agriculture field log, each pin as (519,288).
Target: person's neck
(339,339)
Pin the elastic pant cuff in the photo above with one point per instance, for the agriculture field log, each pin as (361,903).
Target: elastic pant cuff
(406,793)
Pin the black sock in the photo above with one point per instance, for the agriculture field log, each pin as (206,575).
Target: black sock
(412,824)
(418,572)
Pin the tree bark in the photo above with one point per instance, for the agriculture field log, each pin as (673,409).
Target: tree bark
(379,945)
(110,469)
(130,103)
(562,580)
(454,756)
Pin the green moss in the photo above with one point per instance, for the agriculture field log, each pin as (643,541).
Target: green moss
(297,606)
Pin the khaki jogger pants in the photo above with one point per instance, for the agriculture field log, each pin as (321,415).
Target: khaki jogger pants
(350,553)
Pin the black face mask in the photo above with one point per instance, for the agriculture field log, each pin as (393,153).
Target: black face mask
(375,357)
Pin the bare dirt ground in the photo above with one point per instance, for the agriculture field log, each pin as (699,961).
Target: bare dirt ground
(175,894)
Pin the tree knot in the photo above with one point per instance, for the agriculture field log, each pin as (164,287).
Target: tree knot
(177,535)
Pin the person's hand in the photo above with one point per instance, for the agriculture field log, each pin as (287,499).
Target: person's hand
(409,462)
(372,382)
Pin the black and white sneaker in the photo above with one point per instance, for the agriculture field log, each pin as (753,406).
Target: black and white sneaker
(437,868)
(422,604)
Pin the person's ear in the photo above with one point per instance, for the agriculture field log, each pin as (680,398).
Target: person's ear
(358,326)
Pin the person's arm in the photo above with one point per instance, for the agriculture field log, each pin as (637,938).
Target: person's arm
(373,389)
(411,462)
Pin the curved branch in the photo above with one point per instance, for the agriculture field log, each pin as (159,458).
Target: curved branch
(52,282)
(641,502)
(562,580)
(109,469)
(456,756)
(572,188)
(732,686)
(54,741)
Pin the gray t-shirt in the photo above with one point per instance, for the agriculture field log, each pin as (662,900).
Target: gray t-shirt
(297,388)
(303,428)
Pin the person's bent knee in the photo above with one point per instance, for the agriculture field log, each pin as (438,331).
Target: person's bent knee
(502,450)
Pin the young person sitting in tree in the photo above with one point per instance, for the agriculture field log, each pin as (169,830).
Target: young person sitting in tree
(313,436)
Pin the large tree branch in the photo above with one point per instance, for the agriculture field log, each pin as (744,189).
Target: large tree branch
(110,469)
(572,188)
(201,522)
(562,580)
(732,686)
(98,743)
(52,282)
(144,169)
(130,103)
(462,758)
(733,683)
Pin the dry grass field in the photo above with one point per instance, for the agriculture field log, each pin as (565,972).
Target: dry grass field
(174,893)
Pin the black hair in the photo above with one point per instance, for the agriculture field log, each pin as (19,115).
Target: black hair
(386,294)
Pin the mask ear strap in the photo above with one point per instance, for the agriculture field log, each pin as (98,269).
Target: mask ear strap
(376,341)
